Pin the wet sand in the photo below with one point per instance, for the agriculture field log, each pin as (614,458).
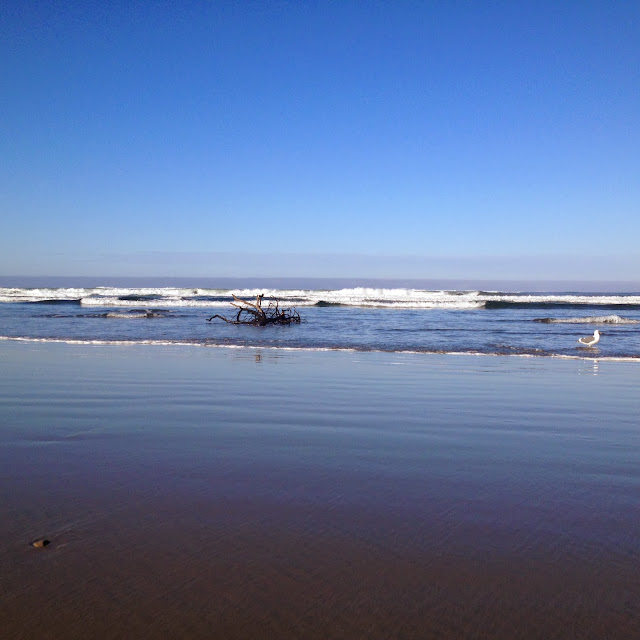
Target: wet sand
(214,493)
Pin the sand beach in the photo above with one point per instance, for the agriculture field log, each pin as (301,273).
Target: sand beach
(193,492)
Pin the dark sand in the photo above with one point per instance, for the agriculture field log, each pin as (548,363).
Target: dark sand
(212,493)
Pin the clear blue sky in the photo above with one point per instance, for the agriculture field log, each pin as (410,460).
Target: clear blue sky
(384,139)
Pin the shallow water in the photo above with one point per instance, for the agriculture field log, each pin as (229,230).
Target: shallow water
(247,493)
(364,319)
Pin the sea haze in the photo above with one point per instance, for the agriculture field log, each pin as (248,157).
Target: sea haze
(207,282)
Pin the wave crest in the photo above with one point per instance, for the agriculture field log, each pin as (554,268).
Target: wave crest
(611,319)
(391,298)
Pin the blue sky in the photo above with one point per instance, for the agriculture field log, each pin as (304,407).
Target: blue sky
(367,139)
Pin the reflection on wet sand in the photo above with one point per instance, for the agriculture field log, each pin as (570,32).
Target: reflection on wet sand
(202,494)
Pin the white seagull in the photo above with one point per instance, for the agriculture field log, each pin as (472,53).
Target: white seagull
(590,341)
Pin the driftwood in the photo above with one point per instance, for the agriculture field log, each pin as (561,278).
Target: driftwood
(253,313)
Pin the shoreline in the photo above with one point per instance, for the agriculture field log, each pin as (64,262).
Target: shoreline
(177,343)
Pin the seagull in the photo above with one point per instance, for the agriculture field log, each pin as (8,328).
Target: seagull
(590,341)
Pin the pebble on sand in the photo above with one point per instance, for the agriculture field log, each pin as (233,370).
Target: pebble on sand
(40,543)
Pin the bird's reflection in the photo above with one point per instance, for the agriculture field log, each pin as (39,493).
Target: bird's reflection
(590,367)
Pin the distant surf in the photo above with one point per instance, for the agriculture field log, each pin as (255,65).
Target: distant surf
(399,298)
(355,318)
(611,319)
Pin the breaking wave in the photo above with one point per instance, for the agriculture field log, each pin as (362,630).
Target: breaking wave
(611,319)
(368,297)
(136,313)
(175,297)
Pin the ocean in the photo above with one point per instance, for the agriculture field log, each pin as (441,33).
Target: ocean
(382,319)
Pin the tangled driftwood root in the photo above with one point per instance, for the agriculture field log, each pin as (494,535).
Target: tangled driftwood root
(254,314)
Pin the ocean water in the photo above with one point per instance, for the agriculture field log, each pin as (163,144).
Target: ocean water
(357,318)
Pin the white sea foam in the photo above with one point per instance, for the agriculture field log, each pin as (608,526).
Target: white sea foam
(172,297)
(546,298)
(185,343)
(38,295)
(354,297)
(168,301)
(140,314)
(610,319)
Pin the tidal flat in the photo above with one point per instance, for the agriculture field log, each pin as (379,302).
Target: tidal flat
(198,492)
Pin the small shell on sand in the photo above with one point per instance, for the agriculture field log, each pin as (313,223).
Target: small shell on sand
(40,543)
